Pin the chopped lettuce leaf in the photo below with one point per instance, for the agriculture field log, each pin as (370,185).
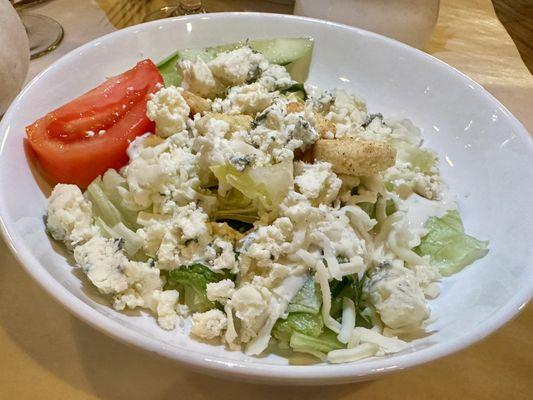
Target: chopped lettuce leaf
(351,287)
(111,181)
(102,206)
(193,280)
(316,346)
(420,158)
(107,203)
(307,299)
(266,186)
(448,246)
(112,220)
(305,323)
(235,206)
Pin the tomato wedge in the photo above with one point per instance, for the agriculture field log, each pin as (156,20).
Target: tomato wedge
(84,138)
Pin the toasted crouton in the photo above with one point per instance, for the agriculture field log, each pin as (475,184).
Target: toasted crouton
(196,103)
(236,123)
(294,107)
(324,127)
(355,156)
(239,122)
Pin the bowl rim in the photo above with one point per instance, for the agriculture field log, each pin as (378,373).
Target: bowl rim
(313,374)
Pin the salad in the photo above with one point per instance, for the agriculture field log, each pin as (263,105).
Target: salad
(218,193)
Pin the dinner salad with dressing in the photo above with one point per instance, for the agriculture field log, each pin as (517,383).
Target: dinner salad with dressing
(223,196)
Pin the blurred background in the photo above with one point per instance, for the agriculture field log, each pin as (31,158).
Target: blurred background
(517,17)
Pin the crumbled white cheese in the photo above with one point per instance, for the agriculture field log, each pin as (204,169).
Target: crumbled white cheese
(212,145)
(251,308)
(264,246)
(279,134)
(428,277)
(166,302)
(69,215)
(317,182)
(169,110)
(238,66)
(209,325)
(276,77)
(133,284)
(198,78)
(225,258)
(156,174)
(180,239)
(103,262)
(191,221)
(406,180)
(248,99)
(220,291)
(346,112)
(397,296)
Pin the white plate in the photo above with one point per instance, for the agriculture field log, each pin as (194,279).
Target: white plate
(485,156)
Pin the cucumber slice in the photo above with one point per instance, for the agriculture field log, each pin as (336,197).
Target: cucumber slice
(167,68)
(294,53)
(283,51)
(207,53)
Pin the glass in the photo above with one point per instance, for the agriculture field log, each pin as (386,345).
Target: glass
(409,21)
(44,33)
(183,7)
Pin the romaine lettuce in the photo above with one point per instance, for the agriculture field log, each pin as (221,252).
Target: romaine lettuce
(421,159)
(302,322)
(448,246)
(266,186)
(111,217)
(307,299)
(322,344)
(193,280)
(235,206)
(351,286)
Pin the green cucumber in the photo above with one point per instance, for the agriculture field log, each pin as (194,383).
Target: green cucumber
(167,68)
(283,51)
(293,53)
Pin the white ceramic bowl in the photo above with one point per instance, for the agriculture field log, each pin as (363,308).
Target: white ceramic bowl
(485,155)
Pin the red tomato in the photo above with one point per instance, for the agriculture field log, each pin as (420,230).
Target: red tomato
(64,142)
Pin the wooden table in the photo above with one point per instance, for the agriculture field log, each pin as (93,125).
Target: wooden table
(45,353)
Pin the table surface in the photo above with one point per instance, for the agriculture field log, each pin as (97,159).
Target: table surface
(46,353)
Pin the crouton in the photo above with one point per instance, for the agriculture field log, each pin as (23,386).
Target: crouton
(239,122)
(196,103)
(236,123)
(324,127)
(355,157)
(294,107)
